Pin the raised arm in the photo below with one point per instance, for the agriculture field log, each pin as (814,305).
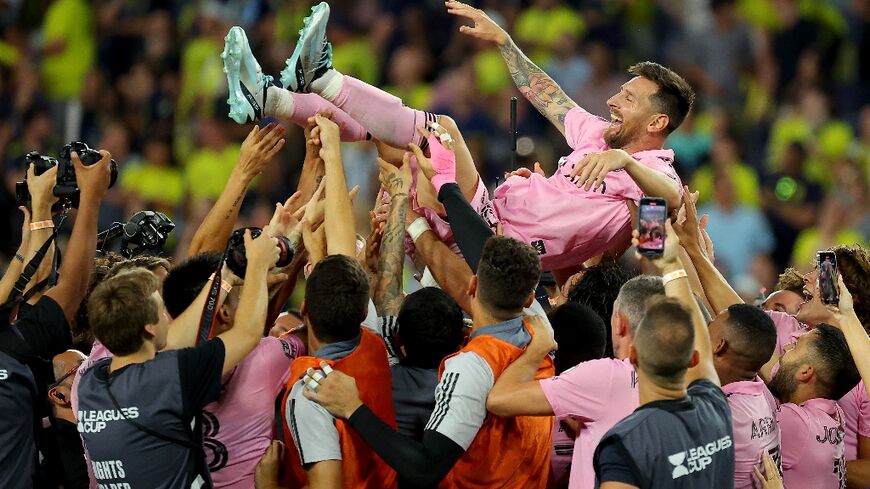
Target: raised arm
(75,272)
(388,286)
(338,220)
(544,93)
(258,148)
(678,288)
(719,293)
(856,335)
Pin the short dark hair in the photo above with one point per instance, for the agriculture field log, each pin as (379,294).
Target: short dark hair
(336,298)
(599,289)
(634,296)
(665,339)
(186,280)
(753,334)
(838,373)
(580,334)
(430,327)
(120,307)
(675,96)
(507,275)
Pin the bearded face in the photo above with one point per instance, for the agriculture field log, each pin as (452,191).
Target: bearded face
(784,383)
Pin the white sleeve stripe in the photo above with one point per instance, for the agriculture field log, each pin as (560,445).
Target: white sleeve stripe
(444,403)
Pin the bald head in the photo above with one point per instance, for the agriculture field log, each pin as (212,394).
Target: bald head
(665,341)
(63,362)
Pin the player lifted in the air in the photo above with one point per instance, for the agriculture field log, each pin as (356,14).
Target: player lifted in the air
(577,213)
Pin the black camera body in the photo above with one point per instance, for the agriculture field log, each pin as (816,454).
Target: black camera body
(66,188)
(237,261)
(144,234)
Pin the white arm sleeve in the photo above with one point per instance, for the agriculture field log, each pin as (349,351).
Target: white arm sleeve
(460,398)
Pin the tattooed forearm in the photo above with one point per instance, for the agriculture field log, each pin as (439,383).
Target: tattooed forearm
(541,90)
(388,291)
(231,212)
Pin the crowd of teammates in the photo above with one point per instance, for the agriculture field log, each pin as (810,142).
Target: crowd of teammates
(198,377)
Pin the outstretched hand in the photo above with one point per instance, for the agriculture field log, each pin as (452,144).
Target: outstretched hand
(671,252)
(525,172)
(258,148)
(333,390)
(484,28)
(441,168)
(93,180)
(396,181)
(283,221)
(589,173)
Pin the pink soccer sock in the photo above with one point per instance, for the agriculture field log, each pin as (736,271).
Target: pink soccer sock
(309,104)
(298,107)
(382,114)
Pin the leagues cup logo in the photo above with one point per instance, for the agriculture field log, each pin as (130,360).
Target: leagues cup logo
(677,461)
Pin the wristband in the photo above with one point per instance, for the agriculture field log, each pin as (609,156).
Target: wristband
(224,284)
(36,226)
(675,275)
(417,228)
(19,257)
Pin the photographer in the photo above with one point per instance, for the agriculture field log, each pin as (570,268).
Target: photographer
(137,406)
(42,331)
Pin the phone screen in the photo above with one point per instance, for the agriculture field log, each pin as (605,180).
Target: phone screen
(828,291)
(651,226)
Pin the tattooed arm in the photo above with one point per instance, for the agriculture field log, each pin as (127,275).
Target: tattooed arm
(388,288)
(257,149)
(544,93)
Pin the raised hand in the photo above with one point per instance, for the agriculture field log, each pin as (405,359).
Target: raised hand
(258,148)
(525,172)
(41,188)
(328,134)
(283,221)
(542,341)
(671,252)
(268,468)
(441,168)
(687,227)
(396,181)
(484,28)
(93,180)
(261,251)
(589,172)
(771,479)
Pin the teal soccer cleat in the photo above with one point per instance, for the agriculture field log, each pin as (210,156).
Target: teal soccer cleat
(245,79)
(313,53)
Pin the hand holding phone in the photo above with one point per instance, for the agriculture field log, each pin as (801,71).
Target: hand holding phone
(652,213)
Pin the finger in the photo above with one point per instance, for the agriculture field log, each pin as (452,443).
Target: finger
(353,193)
(702,224)
(538,169)
(31,171)
(293,200)
(24,210)
(247,237)
(423,132)
(580,165)
(417,152)
(326,368)
(76,161)
(589,174)
(499,229)
(277,147)
(758,473)
(599,179)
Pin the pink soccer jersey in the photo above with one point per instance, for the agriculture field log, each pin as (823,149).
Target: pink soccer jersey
(753,416)
(813,451)
(856,411)
(598,393)
(239,427)
(561,455)
(788,329)
(565,224)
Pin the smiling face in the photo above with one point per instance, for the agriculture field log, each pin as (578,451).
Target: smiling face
(812,311)
(783,301)
(631,113)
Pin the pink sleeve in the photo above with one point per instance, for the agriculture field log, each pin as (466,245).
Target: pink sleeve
(794,431)
(863,411)
(581,125)
(786,326)
(275,357)
(578,391)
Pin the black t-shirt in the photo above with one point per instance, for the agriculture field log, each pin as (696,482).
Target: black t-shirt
(26,349)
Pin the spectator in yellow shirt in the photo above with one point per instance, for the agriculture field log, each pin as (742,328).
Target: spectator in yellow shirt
(155,183)
(209,167)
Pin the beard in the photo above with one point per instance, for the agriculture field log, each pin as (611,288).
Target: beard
(783,384)
(619,136)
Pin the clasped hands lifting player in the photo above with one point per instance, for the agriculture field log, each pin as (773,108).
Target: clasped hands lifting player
(579,212)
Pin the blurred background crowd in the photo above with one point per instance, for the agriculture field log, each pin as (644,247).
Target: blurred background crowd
(778,146)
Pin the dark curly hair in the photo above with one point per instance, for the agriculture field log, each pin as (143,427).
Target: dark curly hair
(854,264)
(507,275)
(598,289)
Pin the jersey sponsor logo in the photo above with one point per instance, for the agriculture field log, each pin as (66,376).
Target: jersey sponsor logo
(698,458)
(4,374)
(539,246)
(217,453)
(763,427)
(95,421)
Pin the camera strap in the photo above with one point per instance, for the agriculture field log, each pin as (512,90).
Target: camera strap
(209,311)
(17,294)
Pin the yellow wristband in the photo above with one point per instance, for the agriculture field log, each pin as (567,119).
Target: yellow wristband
(224,284)
(675,275)
(36,226)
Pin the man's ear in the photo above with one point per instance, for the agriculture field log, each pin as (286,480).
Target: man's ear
(224,313)
(58,398)
(720,347)
(621,328)
(472,286)
(696,358)
(150,331)
(632,354)
(805,373)
(658,123)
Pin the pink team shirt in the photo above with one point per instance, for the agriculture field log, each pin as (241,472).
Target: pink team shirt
(561,455)
(813,452)
(598,393)
(856,411)
(788,329)
(565,224)
(753,416)
(238,428)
